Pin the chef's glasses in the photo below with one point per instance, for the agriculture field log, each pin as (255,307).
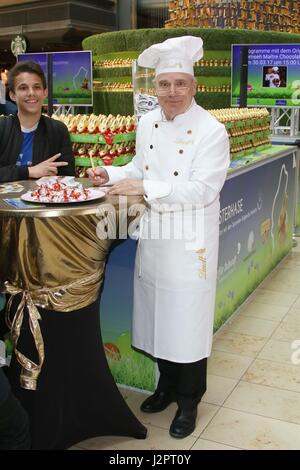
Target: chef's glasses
(179,87)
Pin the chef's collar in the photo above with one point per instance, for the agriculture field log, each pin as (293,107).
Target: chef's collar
(178,116)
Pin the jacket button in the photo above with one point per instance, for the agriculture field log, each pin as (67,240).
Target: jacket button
(180,151)
(146,167)
(151,146)
(156,125)
(175,173)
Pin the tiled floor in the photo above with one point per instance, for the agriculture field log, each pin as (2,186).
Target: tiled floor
(253,396)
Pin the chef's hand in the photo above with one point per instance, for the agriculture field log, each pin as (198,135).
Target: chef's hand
(128,187)
(46,168)
(98,176)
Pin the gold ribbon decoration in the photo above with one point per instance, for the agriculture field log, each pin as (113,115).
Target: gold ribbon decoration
(30,370)
(62,298)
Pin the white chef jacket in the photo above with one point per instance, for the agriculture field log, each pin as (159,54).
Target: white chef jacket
(182,162)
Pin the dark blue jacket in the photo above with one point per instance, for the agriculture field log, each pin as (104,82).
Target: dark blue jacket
(50,137)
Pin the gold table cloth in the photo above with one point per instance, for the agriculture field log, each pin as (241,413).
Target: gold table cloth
(54,260)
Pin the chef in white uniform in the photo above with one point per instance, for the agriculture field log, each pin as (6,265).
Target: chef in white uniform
(182,156)
(273,78)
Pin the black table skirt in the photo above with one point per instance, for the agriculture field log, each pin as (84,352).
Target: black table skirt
(76,396)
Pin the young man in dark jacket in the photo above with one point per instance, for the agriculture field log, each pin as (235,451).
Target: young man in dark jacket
(31,144)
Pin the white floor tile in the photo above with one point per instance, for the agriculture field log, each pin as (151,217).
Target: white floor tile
(203,444)
(287,331)
(239,343)
(274,374)
(293,316)
(228,365)
(157,439)
(253,326)
(265,401)
(264,311)
(284,286)
(248,431)
(277,351)
(274,298)
(218,389)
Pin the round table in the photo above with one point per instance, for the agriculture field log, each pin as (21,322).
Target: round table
(52,268)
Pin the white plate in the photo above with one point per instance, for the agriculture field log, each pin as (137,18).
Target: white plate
(95,193)
(67,180)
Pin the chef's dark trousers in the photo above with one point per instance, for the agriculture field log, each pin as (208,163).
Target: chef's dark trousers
(186,381)
(14,423)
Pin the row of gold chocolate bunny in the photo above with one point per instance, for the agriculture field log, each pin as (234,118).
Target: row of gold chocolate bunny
(99,85)
(118,62)
(239,114)
(94,124)
(100,150)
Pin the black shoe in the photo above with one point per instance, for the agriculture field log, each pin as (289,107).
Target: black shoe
(159,401)
(184,423)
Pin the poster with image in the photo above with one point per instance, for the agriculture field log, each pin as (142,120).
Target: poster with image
(72,76)
(273,75)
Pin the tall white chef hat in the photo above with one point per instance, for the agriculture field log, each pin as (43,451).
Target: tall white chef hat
(173,55)
(275,69)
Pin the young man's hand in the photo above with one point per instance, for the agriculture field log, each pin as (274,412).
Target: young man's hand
(98,175)
(46,168)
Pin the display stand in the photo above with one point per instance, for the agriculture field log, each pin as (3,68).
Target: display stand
(63,109)
(285,122)
(66,109)
(95,139)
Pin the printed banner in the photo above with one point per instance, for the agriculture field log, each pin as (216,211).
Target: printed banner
(256,228)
